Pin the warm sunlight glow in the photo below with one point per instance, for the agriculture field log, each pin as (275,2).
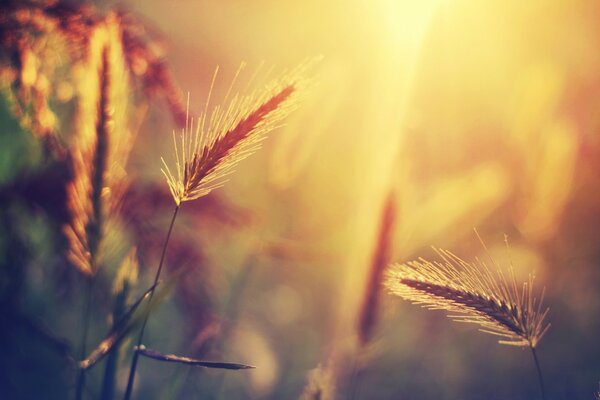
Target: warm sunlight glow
(235,199)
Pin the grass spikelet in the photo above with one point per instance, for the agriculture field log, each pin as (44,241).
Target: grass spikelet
(99,151)
(84,192)
(207,152)
(100,148)
(474,294)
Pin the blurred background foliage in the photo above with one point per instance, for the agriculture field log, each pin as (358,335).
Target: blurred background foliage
(473,114)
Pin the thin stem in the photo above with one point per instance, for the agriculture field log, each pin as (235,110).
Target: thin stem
(84,337)
(134,361)
(539,371)
(110,369)
(355,375)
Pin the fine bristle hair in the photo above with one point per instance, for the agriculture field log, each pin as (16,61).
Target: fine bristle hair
(492,300)
(207,152)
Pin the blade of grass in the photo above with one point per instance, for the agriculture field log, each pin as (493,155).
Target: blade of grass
(120,330)
(131,320)
(146,352)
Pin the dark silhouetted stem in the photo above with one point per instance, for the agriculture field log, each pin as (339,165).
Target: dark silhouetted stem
(539,371)
(134,361)
(110,369)
(84,337)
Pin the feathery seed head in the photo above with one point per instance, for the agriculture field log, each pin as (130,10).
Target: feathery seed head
(207,152)
(477,295)
(100,147)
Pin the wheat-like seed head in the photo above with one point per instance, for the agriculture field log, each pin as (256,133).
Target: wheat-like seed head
(477,295)
(100,147)
(207,152)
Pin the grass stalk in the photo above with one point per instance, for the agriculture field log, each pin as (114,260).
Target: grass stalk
(134,360)
(380,258)
(110,369)
(84,337)
(369,310)
(539,371)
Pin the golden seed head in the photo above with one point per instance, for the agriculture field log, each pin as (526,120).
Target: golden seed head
(208,149)
(474,294)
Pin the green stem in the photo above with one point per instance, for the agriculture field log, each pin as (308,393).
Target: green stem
(86,325)
(539,371)
(134,361)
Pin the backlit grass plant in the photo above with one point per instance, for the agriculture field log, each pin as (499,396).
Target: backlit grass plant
(477,294)
(209,148)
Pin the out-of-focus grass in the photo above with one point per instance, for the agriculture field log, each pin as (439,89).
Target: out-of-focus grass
(477,114)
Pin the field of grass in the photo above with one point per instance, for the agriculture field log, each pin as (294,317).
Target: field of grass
(299,200)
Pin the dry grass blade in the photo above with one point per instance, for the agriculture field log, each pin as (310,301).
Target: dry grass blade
(132,318)
(189,361)
(474,294)
(120,329)
(207,153)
